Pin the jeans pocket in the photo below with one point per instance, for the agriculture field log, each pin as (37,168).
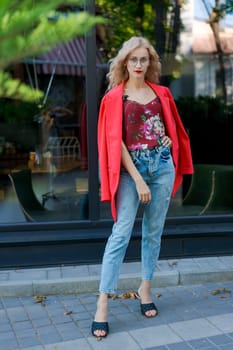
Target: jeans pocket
(165,154)
(136,160)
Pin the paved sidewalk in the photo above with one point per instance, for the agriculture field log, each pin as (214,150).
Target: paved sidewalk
(85,278)
(52,308)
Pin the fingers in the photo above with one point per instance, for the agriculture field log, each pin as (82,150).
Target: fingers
(166,141)
(145,197)
(143,190)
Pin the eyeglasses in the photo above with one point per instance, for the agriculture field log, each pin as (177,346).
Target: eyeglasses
(134,61)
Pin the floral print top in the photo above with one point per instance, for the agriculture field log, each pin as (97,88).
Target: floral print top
(143,126)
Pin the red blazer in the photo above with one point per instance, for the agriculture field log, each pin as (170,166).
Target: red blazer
(110,138)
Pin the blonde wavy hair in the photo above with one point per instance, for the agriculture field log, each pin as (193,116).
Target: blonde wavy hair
(118,71)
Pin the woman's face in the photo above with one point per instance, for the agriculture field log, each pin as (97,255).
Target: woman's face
(138,62)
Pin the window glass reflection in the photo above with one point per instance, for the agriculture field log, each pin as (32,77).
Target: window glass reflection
(51,144)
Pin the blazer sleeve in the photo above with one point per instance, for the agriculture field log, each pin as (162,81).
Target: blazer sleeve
(103,154)
(185,162)
(182,150)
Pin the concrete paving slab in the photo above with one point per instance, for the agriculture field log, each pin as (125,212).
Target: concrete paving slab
(194,329)
(69,345)
(155,336)
(121,340)
(223,322)
(190,317)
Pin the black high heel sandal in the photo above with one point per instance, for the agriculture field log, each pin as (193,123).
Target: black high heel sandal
(148,307)
(100,326)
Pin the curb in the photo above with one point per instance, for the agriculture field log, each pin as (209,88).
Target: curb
(126,282)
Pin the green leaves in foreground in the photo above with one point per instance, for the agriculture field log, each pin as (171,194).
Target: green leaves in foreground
(47,34)
(13,88)
(29,28)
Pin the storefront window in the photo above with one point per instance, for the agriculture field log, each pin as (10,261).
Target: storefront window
(51,141)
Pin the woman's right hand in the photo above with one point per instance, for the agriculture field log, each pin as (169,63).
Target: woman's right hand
(143,190)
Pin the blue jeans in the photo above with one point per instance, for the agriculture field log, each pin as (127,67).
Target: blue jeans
(156,167)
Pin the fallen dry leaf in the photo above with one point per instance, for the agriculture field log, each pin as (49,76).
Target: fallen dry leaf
(126,295)
(129,295)
(226,290)
(158,295)
(39,299)
(216,291)
(68,313)
(220,290)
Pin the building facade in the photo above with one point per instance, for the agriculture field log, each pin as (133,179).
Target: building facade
(52,151)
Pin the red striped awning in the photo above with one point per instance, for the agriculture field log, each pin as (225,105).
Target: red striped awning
(66,59)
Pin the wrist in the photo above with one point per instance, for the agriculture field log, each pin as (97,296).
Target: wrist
(137,179)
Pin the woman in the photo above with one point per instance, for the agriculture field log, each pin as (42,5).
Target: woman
(143,153)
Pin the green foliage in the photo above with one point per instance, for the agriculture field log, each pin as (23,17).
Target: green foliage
(229,6)
(17,112)
(13,88)
(209,122)
(125,19)
(158,21)
(29,28)
(196,111)
(45,35)
(224,8)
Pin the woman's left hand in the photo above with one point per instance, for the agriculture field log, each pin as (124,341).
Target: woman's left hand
(166,141)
